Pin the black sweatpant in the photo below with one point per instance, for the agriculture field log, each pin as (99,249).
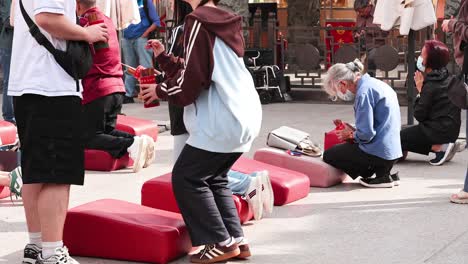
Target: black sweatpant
(100,118)
(355,162)
(199,182)
(414,140)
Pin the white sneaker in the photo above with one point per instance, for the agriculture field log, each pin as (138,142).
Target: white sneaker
(253,196)
(61,257)
(137,152)
(267,191)
(150,152)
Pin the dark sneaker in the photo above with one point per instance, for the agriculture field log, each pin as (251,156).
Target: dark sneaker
(442,156)
(31,252)
(61,256)
(395,178)
(128,100)
(244,249)
(215,253)
(380,182)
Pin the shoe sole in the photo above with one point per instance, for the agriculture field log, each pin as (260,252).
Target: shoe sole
(380,185)
(447,153)
(224,257)
(459,201)
(141,157)
(257,203)
(396,183)
(244,255)
(269,191)
(28,261)
(152,149)
(453,152)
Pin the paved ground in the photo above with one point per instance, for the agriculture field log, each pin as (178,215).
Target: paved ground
(410,224)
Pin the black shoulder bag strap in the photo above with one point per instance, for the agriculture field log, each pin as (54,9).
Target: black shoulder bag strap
(39,37)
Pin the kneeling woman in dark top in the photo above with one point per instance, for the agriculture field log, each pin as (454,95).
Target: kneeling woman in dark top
(439,119)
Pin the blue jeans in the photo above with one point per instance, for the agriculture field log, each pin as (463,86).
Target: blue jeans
(238,182)
(7,105)
(134,54)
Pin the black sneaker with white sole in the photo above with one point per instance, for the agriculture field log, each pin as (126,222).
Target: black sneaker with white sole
(442,156)
(380,182)
(395,178)
(31,252)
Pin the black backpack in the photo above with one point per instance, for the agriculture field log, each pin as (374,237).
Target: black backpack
(77,60)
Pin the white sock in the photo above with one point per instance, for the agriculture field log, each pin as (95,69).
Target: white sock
(36,239)
(228,242)
(134,144)
(239,239)
(444,147)
(48,248)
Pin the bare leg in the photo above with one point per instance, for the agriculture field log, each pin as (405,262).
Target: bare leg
(4,179)
(53,206)
(30,194)
(436,148)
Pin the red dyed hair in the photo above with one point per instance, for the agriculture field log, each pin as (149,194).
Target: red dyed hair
(438,55)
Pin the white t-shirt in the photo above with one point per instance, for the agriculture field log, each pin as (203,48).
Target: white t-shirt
(33,69)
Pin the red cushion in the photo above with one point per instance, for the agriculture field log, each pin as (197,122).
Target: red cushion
(288,186)
(7,133)
(137,126)
(120,230)
(98,160)
(320,174)
(4,192)
(157,193)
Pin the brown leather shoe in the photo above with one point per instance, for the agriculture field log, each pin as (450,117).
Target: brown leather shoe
(215,253)
(244,251)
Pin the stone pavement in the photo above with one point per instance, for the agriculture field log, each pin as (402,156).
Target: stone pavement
(410,224)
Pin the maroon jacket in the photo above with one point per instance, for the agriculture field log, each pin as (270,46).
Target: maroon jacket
(459,28)
(105,76)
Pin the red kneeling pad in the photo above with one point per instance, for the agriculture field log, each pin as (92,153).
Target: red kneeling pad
(120,230)
(157,193)
(288,186)
(4,192)
(7,133)
(98,160)
(137,126)
(320,174)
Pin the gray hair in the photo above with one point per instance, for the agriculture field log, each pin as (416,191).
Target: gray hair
(341,72)
(88,3)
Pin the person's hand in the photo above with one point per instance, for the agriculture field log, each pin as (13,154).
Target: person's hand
(148,92)
(96,33)
(156,45)
(445,25)
(344,134)
(145,35)
(419,80)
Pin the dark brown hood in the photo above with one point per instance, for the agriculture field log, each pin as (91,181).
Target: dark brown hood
(225,25)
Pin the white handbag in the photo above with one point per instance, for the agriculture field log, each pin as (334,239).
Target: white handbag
(293,139)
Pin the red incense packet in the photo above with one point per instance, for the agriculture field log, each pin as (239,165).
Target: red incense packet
(147,77)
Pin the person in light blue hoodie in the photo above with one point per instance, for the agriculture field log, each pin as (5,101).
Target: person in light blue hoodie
(374,145)
(222,115)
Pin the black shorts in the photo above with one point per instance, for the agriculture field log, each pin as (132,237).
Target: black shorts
(51,136)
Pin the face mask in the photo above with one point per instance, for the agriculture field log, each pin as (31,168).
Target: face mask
(348,96)
(420,65)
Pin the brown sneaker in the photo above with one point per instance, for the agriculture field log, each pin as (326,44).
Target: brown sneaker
(244,250)
(215,253)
